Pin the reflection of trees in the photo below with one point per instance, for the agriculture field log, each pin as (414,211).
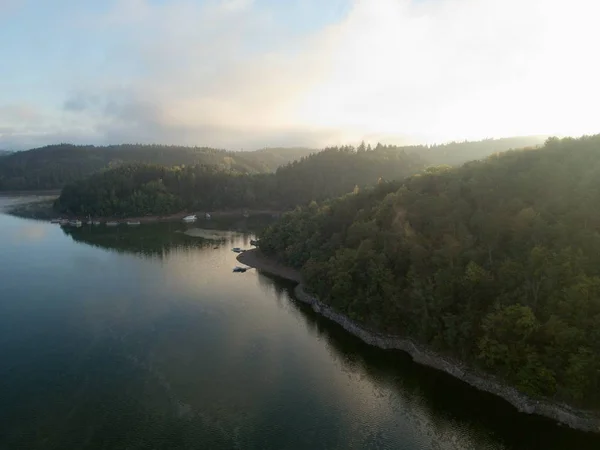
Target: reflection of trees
(159,239)
(147,240)
(437,402)
(278,287)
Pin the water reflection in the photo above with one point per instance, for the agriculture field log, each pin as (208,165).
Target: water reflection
(160,239)
(157,344)
(437,404)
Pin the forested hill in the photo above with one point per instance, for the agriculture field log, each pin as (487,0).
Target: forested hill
(456,153)
(139,189)
(54,166)
(496,263)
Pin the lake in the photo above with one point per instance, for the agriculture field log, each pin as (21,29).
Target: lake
(143,338)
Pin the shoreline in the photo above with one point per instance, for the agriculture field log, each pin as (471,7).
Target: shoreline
(39,207)
(578,419)
(35,192)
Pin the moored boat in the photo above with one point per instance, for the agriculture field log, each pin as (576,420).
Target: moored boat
(239,269)
(236,250)
(96,222)
(75,223)
(190,218)
(112,224)
(55,220)
(64,222)
(133,223)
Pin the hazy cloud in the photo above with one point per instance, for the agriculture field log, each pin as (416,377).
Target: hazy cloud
(228,74)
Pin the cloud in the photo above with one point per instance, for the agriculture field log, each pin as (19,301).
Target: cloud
(229,74)
(463,68)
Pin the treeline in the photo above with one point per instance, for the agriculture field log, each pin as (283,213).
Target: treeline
(456,153)
(141,189)
(496,263)
(54,166)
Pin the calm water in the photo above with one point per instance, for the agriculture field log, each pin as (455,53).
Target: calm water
(145,339)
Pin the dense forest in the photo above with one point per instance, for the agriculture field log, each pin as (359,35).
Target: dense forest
(54,166)
(142,189)
(496,263)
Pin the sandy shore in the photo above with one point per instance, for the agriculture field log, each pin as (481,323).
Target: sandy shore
(254,258)
(575,418)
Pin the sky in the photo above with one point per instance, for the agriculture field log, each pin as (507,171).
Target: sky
(246,74)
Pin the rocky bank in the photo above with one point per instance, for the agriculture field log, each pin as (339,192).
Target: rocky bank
(562,413)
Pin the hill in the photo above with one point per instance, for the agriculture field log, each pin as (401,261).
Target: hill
(457,153)
(139,189)
(496,263)
(54,166)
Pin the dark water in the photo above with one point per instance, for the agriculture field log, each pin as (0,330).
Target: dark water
(145,339)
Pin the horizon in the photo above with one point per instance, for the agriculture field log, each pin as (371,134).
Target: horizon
(258,74)
(292,147)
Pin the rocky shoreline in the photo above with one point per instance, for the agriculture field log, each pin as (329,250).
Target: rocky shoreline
(562,413)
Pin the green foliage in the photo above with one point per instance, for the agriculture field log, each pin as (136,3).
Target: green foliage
(139,189)
(54,166)
(496,263)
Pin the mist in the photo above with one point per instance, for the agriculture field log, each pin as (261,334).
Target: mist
(232,74)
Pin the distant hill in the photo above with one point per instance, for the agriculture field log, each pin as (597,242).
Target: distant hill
(4,153)
(54,166)
(279,156)
(140,189)
(456,153)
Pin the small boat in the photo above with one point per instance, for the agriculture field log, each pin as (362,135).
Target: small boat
(96,222)
(190,219)
(246,214)
(89,222)
(239,269)
(133,223)
(75,223)
(112,224)
(207,216)
(253,242)
(236,250)
(56,221)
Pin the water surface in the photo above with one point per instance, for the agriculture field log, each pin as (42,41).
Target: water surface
(143,338)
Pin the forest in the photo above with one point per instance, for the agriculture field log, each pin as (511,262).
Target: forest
(54,166)
(142,189)
(495,263)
